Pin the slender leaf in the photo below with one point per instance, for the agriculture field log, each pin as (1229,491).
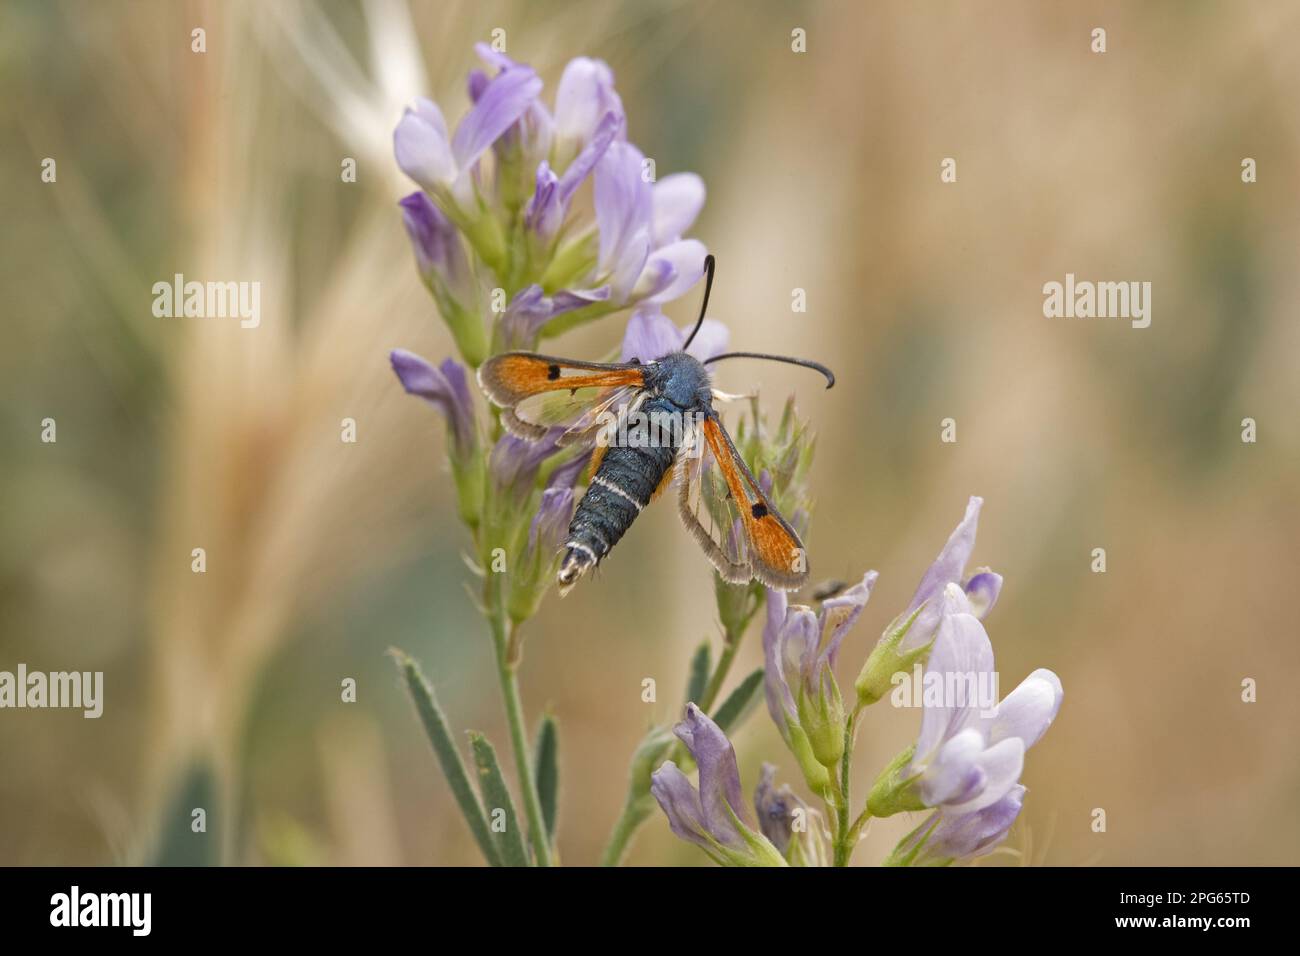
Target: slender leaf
(453,768)
(739,702)
(546,760)
(701,664)
(181,845)
(496,796)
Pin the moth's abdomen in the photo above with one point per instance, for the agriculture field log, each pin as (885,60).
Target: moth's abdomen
(623,484)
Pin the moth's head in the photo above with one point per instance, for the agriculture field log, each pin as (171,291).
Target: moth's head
(681,379)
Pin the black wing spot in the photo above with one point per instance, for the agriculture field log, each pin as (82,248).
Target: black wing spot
(553,372)
(759,510)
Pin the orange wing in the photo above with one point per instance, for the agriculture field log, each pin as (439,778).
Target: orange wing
(541,392)
(735,523)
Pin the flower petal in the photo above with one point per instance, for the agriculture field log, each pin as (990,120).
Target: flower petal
(446,388)
(623,205)
(982,589)
(962,650)
(798,641)
(947,568)
(513,462)
(584,95)
(550,525)
(504,100)
(686,256)
(960,836)
(544,212)
(841,612)
(677,201)
(999,767)
(712,339)
(578,170)
(434,239)
(1029,710)
(775,807)
(953,771)
(720,793)
(680,802)
(421,147)
(566,475)
(650,335)
(780,701)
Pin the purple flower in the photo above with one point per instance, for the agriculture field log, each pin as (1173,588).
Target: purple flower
(949,568)
(651,334)
(446,388)
(439,162)
(907,639)
(583,99)
(553,194)
(676,201)
(530,310)
(551,523)
(982,589)
(532,134)
(566,475)
(945,838)
(438,252)
(971,749)
(514,462)
(627,258)
(715,816)
(803,698)
(535,569)
(792,826)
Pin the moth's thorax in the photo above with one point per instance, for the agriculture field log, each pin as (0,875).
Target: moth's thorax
(681,379)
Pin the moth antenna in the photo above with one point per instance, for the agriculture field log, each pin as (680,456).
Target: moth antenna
(704,306)
(789,360)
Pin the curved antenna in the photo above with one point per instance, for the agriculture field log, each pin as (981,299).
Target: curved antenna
(790,360)
(704,306)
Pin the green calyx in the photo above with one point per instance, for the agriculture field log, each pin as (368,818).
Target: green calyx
(877,675)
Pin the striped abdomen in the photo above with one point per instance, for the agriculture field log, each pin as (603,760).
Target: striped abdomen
(623,484)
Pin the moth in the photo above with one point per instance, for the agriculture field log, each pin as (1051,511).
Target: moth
(648,423)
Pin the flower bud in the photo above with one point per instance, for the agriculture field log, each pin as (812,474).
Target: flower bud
(895,789)
(886,660)
(446,272)
(714,817)
(534,571)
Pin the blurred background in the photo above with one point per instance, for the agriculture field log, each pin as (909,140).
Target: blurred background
(823,173)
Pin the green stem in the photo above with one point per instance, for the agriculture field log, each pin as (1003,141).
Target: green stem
(635,811)
(712,690)
(507,667)
(634,814)
(844,832)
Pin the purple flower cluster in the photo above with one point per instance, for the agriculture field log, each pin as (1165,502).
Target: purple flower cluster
(499,193)
(968,758)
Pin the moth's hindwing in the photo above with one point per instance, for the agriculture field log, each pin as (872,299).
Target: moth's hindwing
(735,523)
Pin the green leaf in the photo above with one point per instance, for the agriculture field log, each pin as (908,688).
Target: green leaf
(496,796)
(180,844)
(453,768)
(739,702)
(546,761)
(701,665)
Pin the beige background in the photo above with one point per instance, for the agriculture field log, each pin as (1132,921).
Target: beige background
(823,173)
